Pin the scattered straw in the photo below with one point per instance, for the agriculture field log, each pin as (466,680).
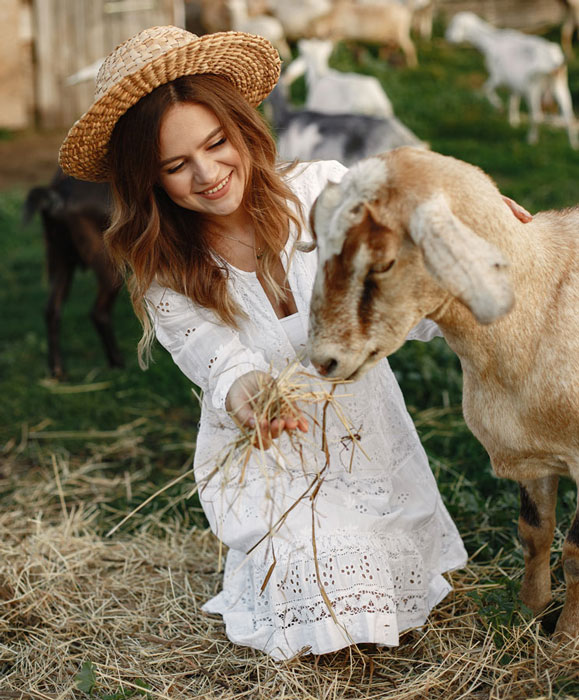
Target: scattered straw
(126,611)
(131,607)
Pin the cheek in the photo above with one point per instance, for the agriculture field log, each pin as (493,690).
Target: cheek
(175,186)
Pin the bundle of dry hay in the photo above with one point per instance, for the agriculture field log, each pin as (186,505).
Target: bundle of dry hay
(291,392)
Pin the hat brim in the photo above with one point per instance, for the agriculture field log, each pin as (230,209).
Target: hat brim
(248,61)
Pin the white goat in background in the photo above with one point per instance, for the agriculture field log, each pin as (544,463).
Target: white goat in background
(413,234)
(333,91)
(529,66)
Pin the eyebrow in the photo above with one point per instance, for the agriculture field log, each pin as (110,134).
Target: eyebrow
(210,136)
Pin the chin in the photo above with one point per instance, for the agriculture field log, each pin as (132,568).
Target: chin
(370,361)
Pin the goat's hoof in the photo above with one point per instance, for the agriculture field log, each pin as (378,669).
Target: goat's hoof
(567,628)
(548,620)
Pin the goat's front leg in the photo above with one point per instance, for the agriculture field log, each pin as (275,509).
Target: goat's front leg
(567,31)
(514,109)
(568,622)
(109,287)
(562,95)
(60,272)
(490,90)
(536,529)
(533,97)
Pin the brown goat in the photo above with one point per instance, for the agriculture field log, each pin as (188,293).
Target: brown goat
(74,215)
(413,234)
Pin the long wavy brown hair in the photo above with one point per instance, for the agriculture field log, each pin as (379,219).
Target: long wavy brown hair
(152,238)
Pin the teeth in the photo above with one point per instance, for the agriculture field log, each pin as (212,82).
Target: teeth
(220,186)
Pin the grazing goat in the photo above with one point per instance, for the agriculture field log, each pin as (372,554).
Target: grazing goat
(529,66)
(74,215)
(306,135)
(332,91)
(381,23)
(413,234)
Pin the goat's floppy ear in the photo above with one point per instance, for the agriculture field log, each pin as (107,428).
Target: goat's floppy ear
(463,263)
(309,246)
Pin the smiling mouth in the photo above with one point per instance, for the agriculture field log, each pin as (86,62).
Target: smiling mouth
(218,187)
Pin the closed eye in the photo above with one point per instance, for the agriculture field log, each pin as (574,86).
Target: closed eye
(381,268)
(175,168)
(221,141)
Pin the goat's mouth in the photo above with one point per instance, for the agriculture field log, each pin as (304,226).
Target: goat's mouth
(370,360)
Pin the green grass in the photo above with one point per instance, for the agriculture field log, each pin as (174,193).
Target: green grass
(441,102)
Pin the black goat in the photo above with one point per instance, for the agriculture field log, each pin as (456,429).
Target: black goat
(75,214)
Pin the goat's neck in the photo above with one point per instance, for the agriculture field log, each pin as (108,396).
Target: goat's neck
(484,38)
(315,69)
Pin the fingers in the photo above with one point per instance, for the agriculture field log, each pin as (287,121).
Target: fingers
(270,430)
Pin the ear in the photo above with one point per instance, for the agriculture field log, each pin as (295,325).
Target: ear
(309,246)
(463,263)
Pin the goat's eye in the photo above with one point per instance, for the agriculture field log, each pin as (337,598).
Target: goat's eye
(380,269)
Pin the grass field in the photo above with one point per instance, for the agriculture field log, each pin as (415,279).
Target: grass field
(105,440)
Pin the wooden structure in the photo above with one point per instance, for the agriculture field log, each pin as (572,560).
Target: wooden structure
(16,72)
(55,39)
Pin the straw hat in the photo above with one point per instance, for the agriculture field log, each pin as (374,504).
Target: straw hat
(151,58)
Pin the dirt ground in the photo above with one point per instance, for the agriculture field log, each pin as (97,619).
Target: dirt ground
(29,158)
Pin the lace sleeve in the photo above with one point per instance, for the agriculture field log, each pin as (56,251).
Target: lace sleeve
(425,330)
(208,352)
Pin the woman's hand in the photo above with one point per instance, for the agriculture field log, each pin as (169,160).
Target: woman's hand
(520,212)
(241,404)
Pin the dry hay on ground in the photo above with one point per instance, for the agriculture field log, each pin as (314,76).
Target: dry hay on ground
(130,605)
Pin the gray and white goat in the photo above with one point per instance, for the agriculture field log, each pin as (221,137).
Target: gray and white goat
(308,135)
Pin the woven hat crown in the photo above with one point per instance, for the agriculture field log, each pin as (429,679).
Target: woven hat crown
(152,58)
(137,52)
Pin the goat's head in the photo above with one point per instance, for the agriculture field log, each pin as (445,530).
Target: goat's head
(462,27)
(391,252)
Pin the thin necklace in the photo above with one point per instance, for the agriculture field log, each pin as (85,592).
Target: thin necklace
(258,252)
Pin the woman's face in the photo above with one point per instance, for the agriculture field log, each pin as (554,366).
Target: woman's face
(199,167)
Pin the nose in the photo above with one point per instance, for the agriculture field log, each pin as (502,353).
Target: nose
(205,171)
(327,367)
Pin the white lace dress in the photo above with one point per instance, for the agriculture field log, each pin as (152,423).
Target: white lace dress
(381,533)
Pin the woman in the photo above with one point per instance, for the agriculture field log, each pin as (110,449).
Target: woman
(205,222)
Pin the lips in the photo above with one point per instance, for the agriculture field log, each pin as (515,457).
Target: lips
(218,189)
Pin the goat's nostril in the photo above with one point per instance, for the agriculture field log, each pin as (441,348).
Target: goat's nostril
(328,367)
